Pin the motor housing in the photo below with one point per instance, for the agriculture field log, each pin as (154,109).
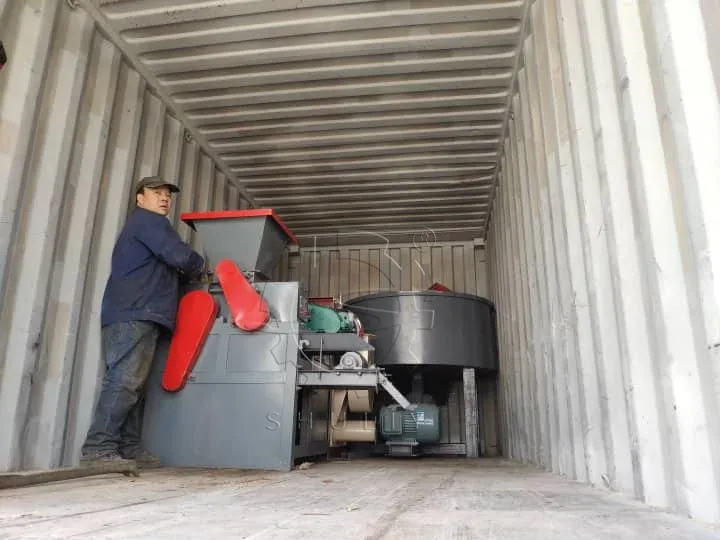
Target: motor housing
(329,320)
(406,430)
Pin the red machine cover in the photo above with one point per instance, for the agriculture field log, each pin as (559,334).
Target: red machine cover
(196,314)
(248,309)
(439,287)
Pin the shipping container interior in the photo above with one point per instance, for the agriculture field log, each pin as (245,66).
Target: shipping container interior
(560,158)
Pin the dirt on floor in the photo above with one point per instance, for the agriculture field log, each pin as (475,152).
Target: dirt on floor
(357,499)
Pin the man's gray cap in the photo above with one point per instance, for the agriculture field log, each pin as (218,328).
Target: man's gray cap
(153,182)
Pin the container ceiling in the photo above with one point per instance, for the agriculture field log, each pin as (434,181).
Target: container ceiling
(343,115)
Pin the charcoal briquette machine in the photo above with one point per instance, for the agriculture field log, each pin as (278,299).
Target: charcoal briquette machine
(257,376)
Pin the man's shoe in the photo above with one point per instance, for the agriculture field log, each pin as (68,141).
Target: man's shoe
(143,458)
(94,460)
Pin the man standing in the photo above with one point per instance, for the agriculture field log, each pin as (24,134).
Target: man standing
(141,300)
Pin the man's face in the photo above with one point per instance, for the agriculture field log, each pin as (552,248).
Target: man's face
(155,200)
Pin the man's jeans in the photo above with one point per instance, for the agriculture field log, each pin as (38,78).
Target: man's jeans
(128,349)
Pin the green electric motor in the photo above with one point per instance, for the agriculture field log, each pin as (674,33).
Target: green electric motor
(405,430)
(328,320)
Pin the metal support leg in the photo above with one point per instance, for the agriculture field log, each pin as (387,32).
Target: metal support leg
(472,423)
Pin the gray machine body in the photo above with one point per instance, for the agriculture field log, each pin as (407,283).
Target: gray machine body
(255,244)
(430,328)
(254,400)
(238,406)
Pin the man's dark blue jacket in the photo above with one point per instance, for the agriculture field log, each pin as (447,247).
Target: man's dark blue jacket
(148,263)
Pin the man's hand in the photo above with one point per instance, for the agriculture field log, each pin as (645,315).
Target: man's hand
(206,276)
(202,275)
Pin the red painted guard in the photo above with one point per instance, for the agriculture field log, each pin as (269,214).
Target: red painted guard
(248,309)
(439,287)
(326,301)
(196,314)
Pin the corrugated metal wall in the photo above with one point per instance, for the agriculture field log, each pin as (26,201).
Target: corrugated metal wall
(77,126)
(604,243)
(351,271)
(605,250)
